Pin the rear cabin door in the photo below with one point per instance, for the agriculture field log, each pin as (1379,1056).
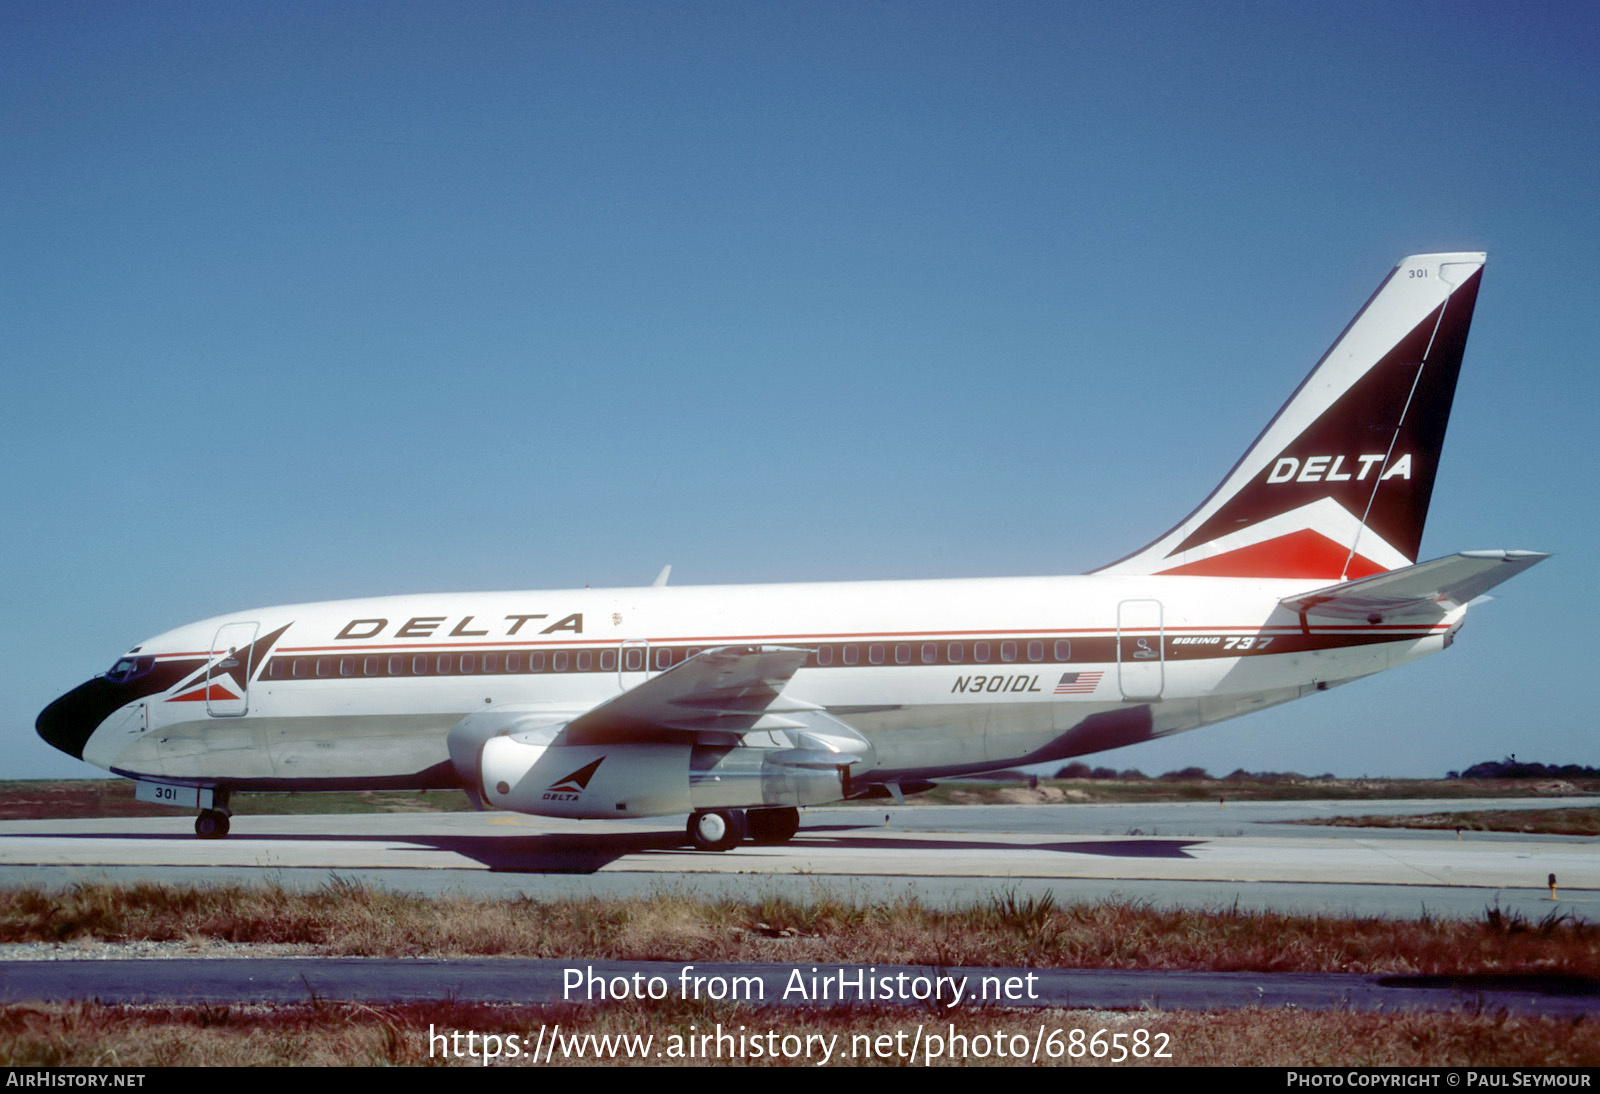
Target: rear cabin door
(1141,668)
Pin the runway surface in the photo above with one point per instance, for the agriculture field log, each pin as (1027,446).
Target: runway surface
(1205,855)
(1199,854)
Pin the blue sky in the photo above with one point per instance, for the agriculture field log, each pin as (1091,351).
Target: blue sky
(313,300)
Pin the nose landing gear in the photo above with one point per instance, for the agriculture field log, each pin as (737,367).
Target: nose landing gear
(211,824)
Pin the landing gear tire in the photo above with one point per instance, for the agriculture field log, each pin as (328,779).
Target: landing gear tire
(717,830)
(773,825)
(211,824)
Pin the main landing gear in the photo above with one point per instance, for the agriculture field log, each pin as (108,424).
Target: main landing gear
(723,829)
(773,825)
(211,824)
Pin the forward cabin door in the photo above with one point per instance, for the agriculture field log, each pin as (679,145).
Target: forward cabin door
(228,679)
(1141,640)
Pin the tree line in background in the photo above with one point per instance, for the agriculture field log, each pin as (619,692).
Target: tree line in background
(1508,768)
(1084,771)
(1512,768)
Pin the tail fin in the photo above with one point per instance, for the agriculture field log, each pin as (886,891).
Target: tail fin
(1337,486)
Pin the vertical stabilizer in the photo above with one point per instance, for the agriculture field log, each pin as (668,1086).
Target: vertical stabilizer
(1337,486)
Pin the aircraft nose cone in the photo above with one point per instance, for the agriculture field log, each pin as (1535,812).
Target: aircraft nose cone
(68,722)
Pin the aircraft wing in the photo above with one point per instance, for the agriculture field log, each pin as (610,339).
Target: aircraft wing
(733,687)
(730,697)
(734,690)
(1426,589)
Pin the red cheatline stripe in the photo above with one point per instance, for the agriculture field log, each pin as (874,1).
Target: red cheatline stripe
(743,639)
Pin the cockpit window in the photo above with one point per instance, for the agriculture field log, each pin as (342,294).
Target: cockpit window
(130,668)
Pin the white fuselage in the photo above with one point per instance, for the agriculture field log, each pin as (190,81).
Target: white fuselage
(941,677)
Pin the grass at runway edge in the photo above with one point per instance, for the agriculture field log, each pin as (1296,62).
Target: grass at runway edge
(1004,929)
(320,1034)
(45,799)
(1554,822)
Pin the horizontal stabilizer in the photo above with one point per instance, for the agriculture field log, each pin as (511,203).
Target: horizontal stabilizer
(1427,589)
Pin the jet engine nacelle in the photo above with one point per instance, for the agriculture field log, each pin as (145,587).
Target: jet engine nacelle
(629,780)
(530,773)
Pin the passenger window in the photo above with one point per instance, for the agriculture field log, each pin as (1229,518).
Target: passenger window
(513,662)
(663,659)
(608,660)
(469,664)
(397,666)
(875,653)
(558,661)
(369,666)
(957,653)
(275,668)
(1008,651)
(851,654)
(585,660)
(902,653)
(447,664)
(419,666)
(824,655)
(980,652)
(1063,649)
(930,653)
(535,662)
(1035,651)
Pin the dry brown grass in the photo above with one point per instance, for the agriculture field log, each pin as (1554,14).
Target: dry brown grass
(1557,822)
(46,799)
(90,1034)
(60,798)
(1005,930)
(1237,789)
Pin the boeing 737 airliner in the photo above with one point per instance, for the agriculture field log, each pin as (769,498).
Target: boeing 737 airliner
(739,704)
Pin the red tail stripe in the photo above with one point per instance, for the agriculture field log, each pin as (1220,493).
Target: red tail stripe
(1303,554)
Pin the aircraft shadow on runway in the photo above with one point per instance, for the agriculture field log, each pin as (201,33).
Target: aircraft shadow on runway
(581,853)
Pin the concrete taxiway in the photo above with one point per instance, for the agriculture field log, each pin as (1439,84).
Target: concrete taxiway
(1197,854)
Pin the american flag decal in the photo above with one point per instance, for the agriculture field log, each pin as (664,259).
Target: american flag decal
(1078,683)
